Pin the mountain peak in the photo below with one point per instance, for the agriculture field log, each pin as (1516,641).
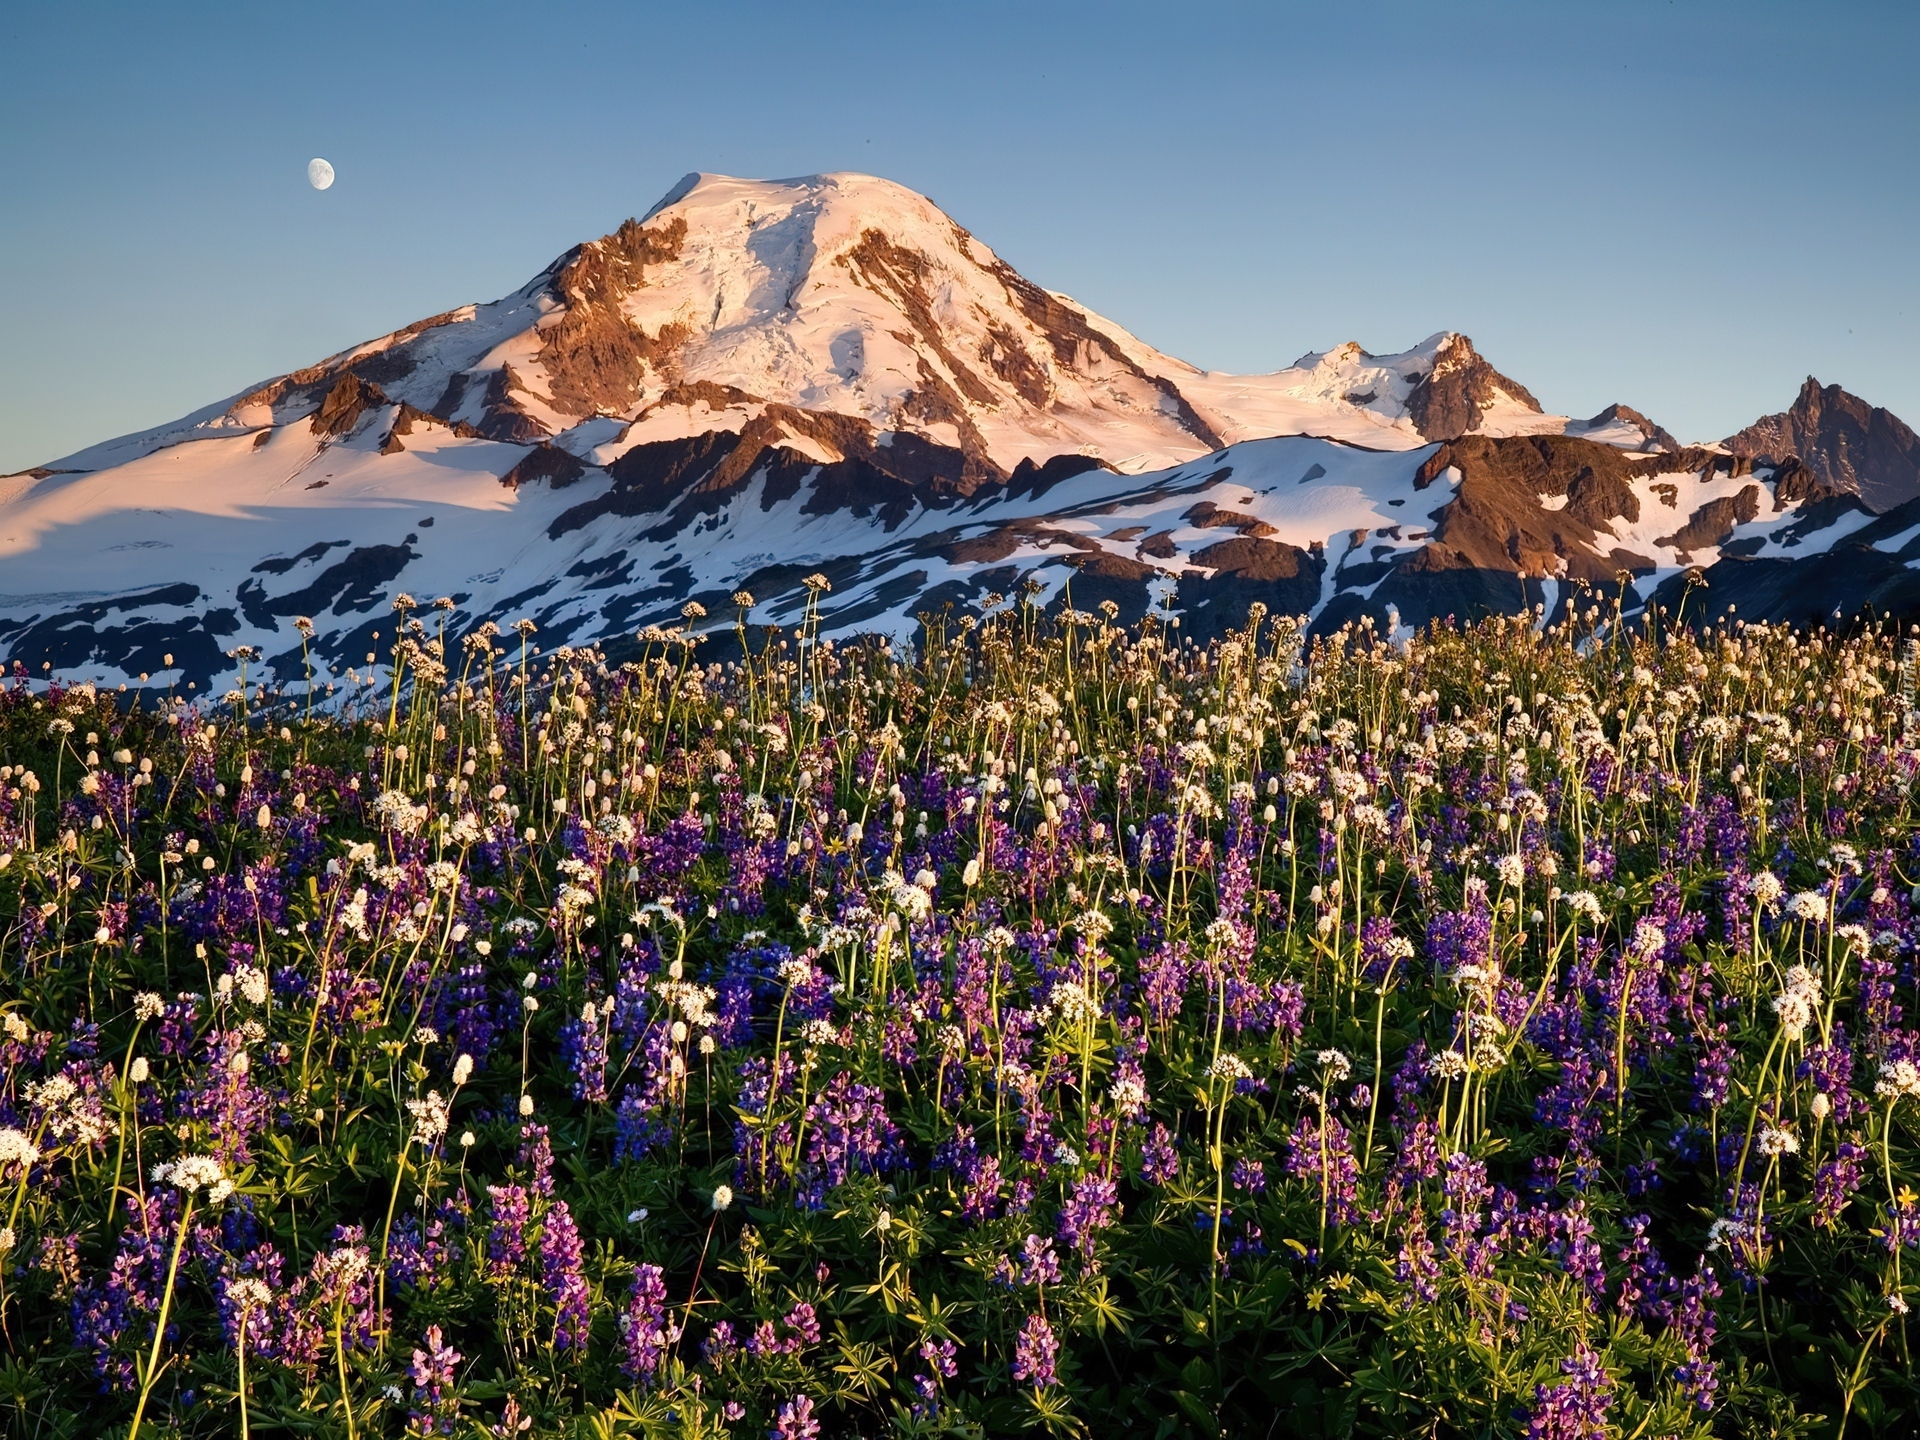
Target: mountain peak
(1857,448)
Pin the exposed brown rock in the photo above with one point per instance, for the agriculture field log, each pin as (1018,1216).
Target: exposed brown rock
(1495,520)
(1451,398)
(1107,566)
(998,544)
(934,402)
(1253,559)
(1713,523)
(384,366)
(594,357)
(1851,446)
(691,392)
(910,458)
(1008,358)
(987,549)
(559,468)
(504,418)
(1208,516)
(1794,479)
(403,423)
(344,404)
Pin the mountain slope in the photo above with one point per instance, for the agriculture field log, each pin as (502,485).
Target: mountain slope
(760,380)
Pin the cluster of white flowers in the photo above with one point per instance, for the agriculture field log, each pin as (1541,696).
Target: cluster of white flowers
(1797,1002)
(1648,939)
(430,1117)
(1898,1080)
(17,1149)
(397,812)
(1586,904)
(1129,1097)
(193,1173)
(1724,1230)
(1809,906)
(1230,1068)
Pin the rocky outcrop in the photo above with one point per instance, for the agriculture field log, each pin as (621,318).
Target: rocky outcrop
(344,404)
(550,463)
(1848,444)
(1451,398)
(1713,523)
(505,418)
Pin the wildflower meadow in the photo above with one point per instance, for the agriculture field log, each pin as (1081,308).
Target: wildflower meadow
(1051,1026)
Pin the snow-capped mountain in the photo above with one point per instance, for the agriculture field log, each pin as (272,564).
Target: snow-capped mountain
(760,380)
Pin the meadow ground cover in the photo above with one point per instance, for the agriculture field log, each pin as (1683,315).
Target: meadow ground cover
(1059,1026)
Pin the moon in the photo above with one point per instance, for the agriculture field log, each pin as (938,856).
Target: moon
(319,173)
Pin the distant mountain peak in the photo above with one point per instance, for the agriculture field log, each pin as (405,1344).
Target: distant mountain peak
(1617,424)
(1857,448)
(1459,390)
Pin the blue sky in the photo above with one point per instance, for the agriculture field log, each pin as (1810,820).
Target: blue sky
(1687,207)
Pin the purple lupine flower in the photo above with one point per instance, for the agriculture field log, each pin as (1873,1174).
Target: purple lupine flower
(795,1420)
(564,1278)
(507,1239)
(646,1331)
(1038,1264)
(1417,1265)
(1695,1323)
(1093,1206)
(583,1050)
(848,1133)
(1834,1183)
(1035,1352)
(1647,1287)
(536,1157)
(941,1359)
(436,1403)
(1159,1160)
(1574,1246)
(721,1344)
(423,1256)
(1576,1408)
(1336,1173)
